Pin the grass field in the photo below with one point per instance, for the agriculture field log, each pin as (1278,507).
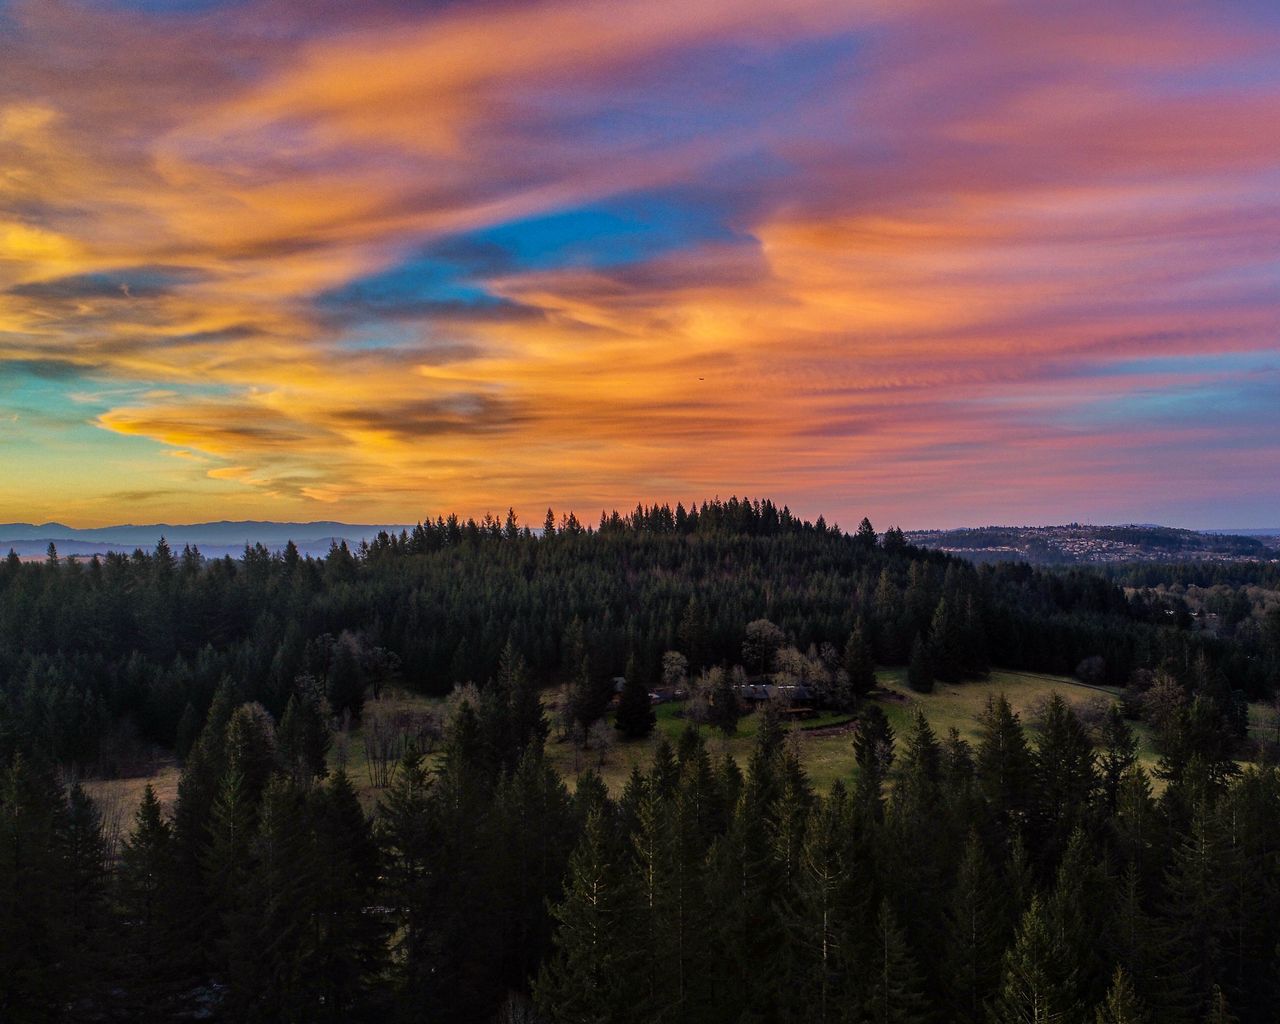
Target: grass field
(827,749)
(829,756)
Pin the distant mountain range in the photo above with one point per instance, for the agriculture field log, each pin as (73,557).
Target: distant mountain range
(1073,543)
(213,539)
(1081,544)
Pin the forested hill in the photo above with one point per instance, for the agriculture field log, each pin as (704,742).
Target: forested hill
(1077,544)
(139,644)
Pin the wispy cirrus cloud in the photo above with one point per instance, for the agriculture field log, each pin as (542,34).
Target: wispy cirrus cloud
(871,256)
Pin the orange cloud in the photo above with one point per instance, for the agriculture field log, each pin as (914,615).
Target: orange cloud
(932,254)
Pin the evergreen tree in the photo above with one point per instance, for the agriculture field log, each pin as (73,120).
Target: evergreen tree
(33,908)
(350,941)
(303,740)
(1122,1005)
(1037,986)
(946,647)
(859,664)
(407,835)
(1065,780)
(1003,763)
(1119,753)
(724,705)
(345,682)
(975,936)
(919,670)
(895,992)
(1219,1011)
(636,718)
(144,882)
(585,978)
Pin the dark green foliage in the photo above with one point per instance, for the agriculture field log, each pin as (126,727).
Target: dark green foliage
(1121,1005)
(947,883)
(920,668)
(894,990)
(144,885)
(1037,985)
(303,739)
(725,711)
(636,717)
(345,682)
(586,979)
(859,664)
(975,935)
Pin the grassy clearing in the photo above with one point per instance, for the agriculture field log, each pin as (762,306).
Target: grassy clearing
(829,755)
(828,750)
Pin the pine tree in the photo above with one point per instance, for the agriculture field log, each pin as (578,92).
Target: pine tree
(345,683)
(530,836)
(724,705)
(919,670)
(407,835)
(975,935)
(1065,780)
(1121,1005)
(820,914)
(585,978)
(859,664)
(303,739)
(251,749)
(33,922)
(1036,985)
(1219,1011)
(144,882)
(1119,753)
(1003,763)
(636,718)
(349,940)
(895,993)
(945,652)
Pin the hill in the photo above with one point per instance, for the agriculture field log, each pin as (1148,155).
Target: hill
(1077,544)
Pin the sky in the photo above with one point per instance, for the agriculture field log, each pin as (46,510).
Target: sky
(931,262)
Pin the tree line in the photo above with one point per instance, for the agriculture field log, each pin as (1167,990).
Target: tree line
(101,656)
(1031,875)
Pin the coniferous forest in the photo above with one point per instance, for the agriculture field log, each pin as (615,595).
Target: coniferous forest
(1039,873)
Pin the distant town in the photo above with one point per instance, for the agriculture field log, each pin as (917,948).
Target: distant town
(1076,543)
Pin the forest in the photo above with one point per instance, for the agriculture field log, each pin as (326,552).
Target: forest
(1040,873)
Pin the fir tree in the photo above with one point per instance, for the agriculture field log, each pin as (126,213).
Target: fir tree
(585,978)
(1219,1011)
(724,705)
(303,739)
(894,990)
(859,664)
(975,935)
(144,882)
(636,718)
(1036,985)
(1003,764)
(919,670)
(1119,753)
(1121,1005)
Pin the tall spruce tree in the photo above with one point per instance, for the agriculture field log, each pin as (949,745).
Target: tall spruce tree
(975,935)
(1121,1005)
(1036,986)
(586,977)
(920,668)
(636,717)
(859,664)
(894,989)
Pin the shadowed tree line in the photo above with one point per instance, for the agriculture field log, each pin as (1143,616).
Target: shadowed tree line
(1029,876)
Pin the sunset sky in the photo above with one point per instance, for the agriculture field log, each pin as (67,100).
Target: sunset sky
(940,263)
